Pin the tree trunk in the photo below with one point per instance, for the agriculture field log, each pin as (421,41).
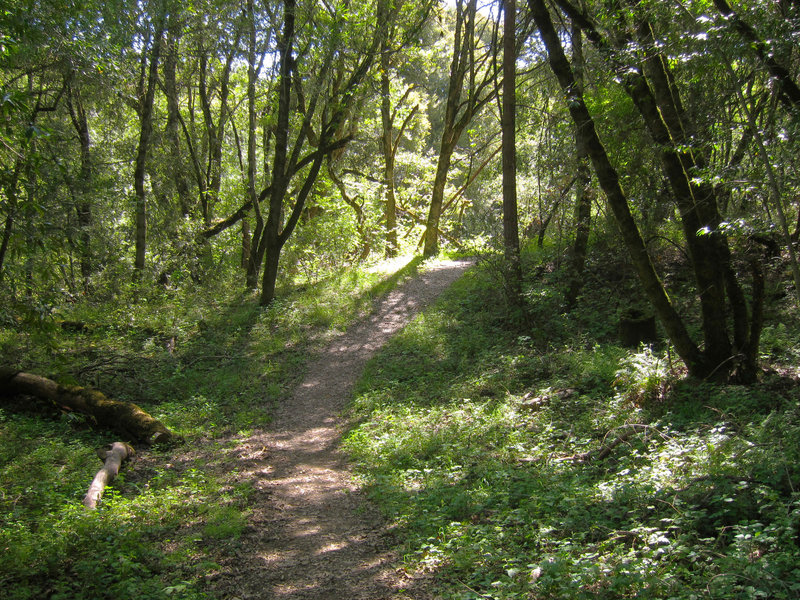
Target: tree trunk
(269,244)
(331,138)
(658,101)
(609,181)
(125,418)
(247,242)
(252,132)
(112,456)
(146,129)
(10,190)
(464,67)
(583,199)
(83,188)
(173,116)
(390,203)
(508,124)
(672,131)
(431,247)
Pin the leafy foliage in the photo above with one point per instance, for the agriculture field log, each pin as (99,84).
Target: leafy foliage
(518,468)
(211,368)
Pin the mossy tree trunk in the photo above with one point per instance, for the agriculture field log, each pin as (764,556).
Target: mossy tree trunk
(651,86)
(125,418)
(508,122)
(608,178)
(583,180)
(147,90)
(471,86)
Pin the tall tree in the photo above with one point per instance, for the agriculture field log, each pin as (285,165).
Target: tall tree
(322,124)
(84,183)
(583,200)
(397,38)
(215,129)
(173,126)
(672,131)
(509,131)
(609,181)
(471,86)
(152,40)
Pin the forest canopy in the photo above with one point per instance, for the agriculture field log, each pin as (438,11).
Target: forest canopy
(162,144)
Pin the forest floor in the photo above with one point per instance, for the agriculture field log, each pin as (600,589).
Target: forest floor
(312,534)
(337,446)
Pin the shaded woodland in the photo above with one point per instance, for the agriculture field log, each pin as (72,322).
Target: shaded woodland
(194,196)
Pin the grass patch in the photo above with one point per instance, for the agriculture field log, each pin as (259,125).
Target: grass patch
(523,464)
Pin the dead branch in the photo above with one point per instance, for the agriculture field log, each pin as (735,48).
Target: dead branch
(594,455)
(112,457)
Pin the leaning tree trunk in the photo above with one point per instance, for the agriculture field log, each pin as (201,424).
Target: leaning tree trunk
(608,178)
(125,418)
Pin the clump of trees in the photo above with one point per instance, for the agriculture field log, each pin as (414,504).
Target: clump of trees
(159,142)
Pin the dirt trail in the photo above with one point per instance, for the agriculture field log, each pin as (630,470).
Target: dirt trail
(313,534)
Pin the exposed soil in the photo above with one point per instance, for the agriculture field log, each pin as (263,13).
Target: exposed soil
(313,534)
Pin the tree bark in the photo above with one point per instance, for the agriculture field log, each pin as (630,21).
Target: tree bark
(390,202)
(214,131)
(83,206)
(509,125)
(173,115)
(11,191)
(148,89)
(112,456)
(683,163)
(609,181)
(253,72)
(655,95)
(583,200)
(464,67)
(331,137)
(280,177)
(125,418)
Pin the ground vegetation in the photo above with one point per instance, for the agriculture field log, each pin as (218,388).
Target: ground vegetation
(197,197)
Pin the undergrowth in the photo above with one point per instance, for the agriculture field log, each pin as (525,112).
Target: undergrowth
(550,462)
(212,367)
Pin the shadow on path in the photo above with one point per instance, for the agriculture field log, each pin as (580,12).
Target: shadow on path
(312,534)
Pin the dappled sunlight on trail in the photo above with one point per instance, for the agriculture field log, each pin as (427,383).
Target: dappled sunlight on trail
(312,534)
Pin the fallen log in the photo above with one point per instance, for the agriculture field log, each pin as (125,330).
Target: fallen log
(125,418)
(112,457)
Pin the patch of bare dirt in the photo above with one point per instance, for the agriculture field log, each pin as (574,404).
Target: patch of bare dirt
(313,534)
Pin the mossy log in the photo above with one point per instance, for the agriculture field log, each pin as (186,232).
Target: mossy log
(112,456)
(125,418)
